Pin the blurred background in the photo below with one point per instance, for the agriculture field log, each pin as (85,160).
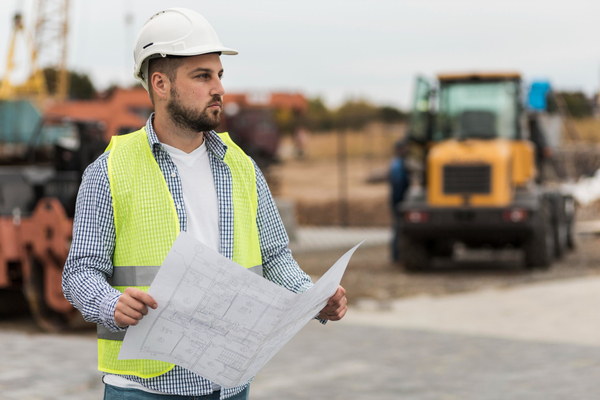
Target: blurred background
(459,138)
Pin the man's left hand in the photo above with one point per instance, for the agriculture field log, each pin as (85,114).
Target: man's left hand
(336,306)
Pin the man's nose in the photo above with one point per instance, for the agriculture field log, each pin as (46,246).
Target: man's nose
(218,88)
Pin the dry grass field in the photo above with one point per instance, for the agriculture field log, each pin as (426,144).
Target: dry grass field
(589,129)
(314,181)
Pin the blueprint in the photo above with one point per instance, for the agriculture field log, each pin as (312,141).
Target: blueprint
(218,319)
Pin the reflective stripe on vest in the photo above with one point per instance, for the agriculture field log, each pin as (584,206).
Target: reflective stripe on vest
(144,275)
(147,224)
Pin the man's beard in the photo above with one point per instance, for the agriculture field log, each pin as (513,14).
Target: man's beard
(192,119)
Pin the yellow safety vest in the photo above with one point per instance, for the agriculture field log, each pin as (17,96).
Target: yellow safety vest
(146,225)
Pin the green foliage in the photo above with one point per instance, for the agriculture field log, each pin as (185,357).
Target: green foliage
(318,117)
(353,114)
(391,115)
(81,87)
(578,104)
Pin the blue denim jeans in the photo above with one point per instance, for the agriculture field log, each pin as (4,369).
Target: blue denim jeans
(117,393)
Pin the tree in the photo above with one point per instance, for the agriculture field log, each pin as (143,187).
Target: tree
(318,117)
(577,103)
(355,114)
(391,115)
(80,88)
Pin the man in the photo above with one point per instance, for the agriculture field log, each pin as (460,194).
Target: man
(176,174)
(399,183)
(543,152)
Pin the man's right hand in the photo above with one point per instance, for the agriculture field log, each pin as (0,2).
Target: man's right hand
(132,306)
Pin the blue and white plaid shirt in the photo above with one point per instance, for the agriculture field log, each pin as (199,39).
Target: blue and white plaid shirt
(90,259)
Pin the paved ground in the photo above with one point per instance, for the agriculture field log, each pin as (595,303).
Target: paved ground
(311,239)
(537,341)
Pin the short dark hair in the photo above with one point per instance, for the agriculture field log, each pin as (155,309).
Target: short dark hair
(167,65)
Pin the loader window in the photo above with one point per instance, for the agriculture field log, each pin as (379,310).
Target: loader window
(482,110)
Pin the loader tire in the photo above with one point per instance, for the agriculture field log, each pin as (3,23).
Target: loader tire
(559,225)
(571,236)
(540,248)
(416,255)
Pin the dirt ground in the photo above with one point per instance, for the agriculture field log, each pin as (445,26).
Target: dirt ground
(315,188)
(320,185)
(370,274)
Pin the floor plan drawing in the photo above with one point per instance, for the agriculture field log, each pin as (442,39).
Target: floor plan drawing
(218,319)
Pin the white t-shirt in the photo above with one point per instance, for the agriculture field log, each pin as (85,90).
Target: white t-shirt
(199,194)
(202,210)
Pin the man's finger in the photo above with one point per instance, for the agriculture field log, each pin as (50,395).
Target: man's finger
(131,313)
(340,292)
(123,320)
(335,310)
(143,297)
(339,315)
(133,303)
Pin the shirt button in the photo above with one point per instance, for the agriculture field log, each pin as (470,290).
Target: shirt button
(173,174)
(179,206)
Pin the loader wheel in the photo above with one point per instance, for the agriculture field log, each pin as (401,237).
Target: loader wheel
(571,235)
(46,318)
(559,225)
(540,249)
(416,255)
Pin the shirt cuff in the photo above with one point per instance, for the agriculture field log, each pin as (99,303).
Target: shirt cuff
(305,287)
(107,311)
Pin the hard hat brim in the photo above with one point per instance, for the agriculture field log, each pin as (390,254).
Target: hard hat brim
(198,51)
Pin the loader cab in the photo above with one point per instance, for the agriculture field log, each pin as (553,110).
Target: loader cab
(467,106)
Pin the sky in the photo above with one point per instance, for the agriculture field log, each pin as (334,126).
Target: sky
(347,49)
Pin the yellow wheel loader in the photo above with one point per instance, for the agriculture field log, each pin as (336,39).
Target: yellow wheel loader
(479,173)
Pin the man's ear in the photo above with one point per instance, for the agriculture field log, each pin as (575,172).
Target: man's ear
(160,85)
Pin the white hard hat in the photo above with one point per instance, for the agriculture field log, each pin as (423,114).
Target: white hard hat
(175,32)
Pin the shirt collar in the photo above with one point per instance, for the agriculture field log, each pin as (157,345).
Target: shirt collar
(214,143)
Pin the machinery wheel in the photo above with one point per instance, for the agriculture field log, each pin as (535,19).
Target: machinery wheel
(415,254)
(571,235)
(560,238)
(540,249)
(570,214)
(46,318)
(559,225)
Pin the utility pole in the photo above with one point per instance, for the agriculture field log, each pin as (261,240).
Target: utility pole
(343,211)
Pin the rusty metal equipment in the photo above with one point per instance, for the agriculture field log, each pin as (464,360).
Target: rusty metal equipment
(37,203)
(33,251)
